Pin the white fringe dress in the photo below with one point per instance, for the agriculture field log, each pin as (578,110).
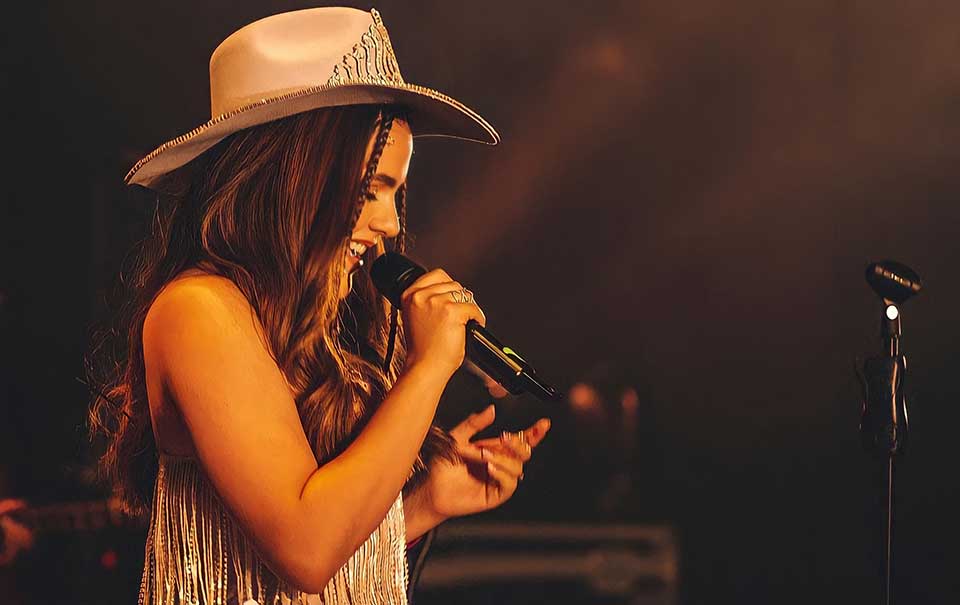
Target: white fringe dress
(197,555)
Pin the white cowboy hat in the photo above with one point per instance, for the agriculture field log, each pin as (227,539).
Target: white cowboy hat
(301,60)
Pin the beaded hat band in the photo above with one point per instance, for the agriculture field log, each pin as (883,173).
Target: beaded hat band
(301,60)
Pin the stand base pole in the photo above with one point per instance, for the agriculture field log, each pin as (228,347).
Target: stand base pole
(888,554)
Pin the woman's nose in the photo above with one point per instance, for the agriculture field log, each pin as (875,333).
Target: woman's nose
(385,221)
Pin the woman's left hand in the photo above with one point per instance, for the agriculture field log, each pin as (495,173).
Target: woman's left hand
(490,469)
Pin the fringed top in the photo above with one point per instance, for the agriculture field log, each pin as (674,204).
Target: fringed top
(197,555)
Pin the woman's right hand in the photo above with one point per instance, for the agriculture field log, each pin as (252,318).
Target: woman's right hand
(14,537)
(436,322)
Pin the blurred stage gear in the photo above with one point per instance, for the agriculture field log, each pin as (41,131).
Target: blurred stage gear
(475,562)
(884,423)
(393,273)
(70,517)
(612,451)
(98,551)
(76,516)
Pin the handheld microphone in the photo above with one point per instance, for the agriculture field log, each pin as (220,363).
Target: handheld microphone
(393,273)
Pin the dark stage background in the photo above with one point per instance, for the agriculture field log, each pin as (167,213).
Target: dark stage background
(687,192)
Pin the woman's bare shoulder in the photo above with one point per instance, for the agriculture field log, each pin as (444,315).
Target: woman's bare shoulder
(199,302)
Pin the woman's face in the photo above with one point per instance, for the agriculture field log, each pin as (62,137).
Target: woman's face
(378,219)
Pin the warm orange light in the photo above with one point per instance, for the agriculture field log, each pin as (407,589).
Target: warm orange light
(584,398)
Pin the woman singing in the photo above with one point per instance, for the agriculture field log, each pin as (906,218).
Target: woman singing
(271,411)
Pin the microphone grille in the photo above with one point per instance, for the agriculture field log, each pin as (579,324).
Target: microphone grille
(893,281)
(393,273)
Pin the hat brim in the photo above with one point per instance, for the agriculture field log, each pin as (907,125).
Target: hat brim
(432,113)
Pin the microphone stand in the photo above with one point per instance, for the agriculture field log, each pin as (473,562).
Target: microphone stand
(884,422)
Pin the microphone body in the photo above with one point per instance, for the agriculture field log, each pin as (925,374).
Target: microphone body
(393,273)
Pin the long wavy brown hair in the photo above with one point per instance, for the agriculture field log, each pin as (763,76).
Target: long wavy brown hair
(272,209)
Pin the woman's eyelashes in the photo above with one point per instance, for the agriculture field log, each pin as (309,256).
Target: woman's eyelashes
(374,195)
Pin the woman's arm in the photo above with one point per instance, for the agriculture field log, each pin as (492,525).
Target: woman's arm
(204,348)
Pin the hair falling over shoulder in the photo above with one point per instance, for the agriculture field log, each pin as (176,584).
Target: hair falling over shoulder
(271,208)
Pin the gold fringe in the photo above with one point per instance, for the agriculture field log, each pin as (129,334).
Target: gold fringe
(196,554)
